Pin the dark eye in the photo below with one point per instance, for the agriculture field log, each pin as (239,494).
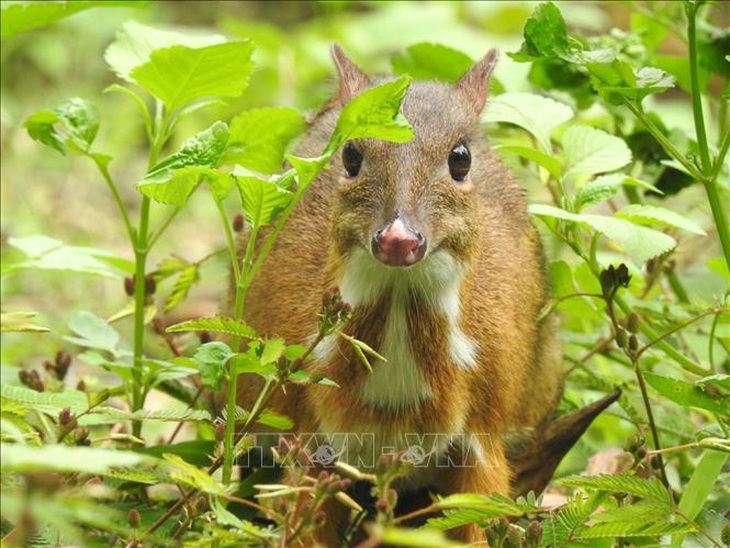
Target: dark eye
(459,162)
(351,159)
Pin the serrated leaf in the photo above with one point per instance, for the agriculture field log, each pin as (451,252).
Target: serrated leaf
(195,452)
(179,74)
(262,200)
(604,187)
(77,121)
(545,34)
(169,266)
(650,488)
(640,242)
(193,476)
(19,322)
(187,279)
(135,42)
(171,415)
(217,324)
(687,395)
(249,362)
(272,350)
(535,114)
(622,529)
(427,61)
(307,169)
(64,458)
(47,402)
(587,151)
(212,358)
(267,417)
(259,138)
(647,214)
(375,114)
(93,332)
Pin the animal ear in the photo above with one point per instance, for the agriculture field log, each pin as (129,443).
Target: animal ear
(351,79)
(473,85)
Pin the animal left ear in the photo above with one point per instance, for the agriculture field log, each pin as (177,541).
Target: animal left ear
(473,85)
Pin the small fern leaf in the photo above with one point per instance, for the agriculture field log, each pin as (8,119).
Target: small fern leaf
(620,483)
(217,324)
(172,415)
(187,279)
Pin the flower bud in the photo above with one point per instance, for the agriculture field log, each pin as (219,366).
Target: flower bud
(150,285)
(633,323)
(134,518)
(129,285)
(633,343)
(238,223)
(533,535)
(622,338)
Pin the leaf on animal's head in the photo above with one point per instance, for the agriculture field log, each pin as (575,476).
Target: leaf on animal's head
(427,61)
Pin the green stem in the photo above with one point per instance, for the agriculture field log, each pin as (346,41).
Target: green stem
(650,417)
(721,220)
(117,198)
(154,236)
(705,162)
(677,287)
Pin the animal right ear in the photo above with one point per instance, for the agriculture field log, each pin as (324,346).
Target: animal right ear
(473,85)
(351,79)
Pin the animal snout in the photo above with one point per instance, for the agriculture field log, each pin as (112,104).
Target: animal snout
(398,244)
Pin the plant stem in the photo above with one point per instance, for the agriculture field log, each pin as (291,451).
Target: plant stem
(650,417)
(705,162)
(117,197)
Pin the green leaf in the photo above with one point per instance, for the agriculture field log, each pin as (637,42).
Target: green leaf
(192,476)
(179,74)
(626,482)
(259,138)
(195,452)
(50,254)
(217,324)
(465,508)
(307,169)
(64,458)
(640,242)
(604,187)
(551,163)
(616,80)
(78,122)
(702,483)
(46,402)
(719,381)
(646,214)
(249,362)
(374,114)
(93,332)
(687,395)
(426,61)
(535,114)
(173,179)
(403,536)
(272,350)
(212,358)
(171,415)
(18,17)
(545,34)
(19,322)
(588,151)
(187,279)
(262,200)
(267,417)
(135,42)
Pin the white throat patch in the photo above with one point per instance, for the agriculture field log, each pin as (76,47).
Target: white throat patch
(399,383)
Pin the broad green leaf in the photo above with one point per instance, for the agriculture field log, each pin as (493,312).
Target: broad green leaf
(259,137)
(616,80)
(604,187)
(50,254)
(535,114)
(701,484)
(588,151)
(179,74)
(64,458)
(212,358)
(93,332)
(374,114)
(135,42)
(551,163)
(20,17)
(307,169)
(273,350)
(20,322)
(545,34)
(249,362)
(79,123)
(687,395)
(267,418)
(262,200)
(426,61)
(218,324)
(719,381)
(640,242)
(647,214)
(173,179)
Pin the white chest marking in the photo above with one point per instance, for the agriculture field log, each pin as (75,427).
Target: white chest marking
(399,382)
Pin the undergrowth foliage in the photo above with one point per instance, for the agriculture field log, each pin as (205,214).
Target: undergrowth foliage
(633,318)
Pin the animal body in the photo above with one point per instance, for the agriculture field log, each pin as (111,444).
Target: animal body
(430,243)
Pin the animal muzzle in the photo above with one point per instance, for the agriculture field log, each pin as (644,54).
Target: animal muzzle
(398,244)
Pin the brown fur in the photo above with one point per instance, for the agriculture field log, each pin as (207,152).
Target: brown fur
(483,223)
